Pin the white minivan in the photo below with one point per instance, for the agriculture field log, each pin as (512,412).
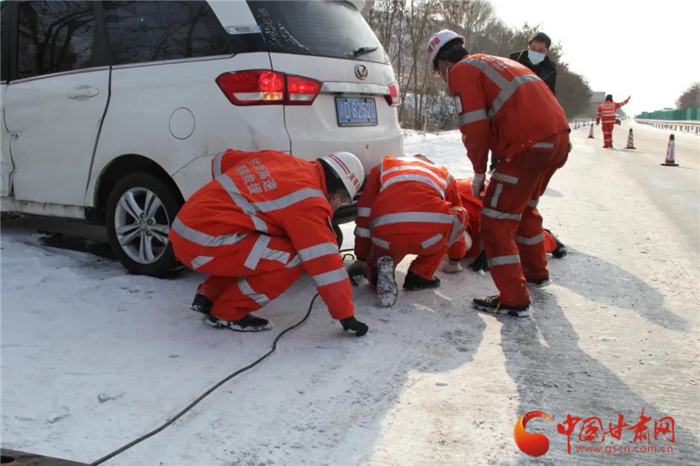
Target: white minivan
(113,110)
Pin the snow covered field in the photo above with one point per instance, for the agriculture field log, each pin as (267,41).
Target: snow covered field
(93,357)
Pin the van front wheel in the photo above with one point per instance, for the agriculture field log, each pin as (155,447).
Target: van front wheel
(140,210)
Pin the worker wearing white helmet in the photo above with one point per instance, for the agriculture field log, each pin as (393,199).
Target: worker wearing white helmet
(258,226)
(505,108)
(437,42)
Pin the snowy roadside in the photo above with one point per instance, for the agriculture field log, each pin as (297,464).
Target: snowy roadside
(93,357)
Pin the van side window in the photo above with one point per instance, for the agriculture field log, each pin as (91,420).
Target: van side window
(54,36)
(145,31)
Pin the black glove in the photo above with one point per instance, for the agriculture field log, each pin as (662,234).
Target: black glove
(353,324)
(480,263)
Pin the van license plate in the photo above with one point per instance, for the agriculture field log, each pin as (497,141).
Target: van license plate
(356,112)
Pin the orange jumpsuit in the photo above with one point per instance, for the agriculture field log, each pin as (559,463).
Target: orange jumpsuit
(506,108)
(410,206)
(606,113)
(474,206)
(262,222)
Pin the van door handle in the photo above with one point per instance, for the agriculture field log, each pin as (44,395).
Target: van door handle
(83,93)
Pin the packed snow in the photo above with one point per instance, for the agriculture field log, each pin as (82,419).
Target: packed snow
(93,357)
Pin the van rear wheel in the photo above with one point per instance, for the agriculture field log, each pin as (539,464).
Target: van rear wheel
(140,210)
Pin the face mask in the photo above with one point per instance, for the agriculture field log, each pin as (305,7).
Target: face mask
(535,57)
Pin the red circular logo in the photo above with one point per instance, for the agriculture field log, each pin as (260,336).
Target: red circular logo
(531,444)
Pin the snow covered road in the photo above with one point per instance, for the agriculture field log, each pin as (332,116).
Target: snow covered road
(93,357)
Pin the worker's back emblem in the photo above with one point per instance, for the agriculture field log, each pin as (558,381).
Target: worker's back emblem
(361,71)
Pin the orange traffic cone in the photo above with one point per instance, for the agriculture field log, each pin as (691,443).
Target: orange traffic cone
(671,153)
(630,140)
(590,133)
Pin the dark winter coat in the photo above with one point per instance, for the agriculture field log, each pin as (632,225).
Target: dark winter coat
(546,70)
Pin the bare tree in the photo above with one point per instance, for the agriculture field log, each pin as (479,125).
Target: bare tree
(403,26)
(690,97)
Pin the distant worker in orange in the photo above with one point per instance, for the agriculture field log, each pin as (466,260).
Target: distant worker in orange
(258,226)
(409,206)
(606,114)
(504,107)
(474,205)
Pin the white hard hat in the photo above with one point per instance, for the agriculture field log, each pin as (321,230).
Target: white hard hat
(349,169)
(438,40)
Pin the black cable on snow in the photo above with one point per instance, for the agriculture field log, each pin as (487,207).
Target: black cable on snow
(170,421)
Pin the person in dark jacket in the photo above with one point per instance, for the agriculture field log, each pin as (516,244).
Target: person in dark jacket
(536,57)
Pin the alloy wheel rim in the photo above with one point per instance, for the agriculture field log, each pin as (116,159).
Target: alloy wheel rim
(142,225)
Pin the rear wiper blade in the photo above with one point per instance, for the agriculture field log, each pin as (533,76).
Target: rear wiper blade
(363,51)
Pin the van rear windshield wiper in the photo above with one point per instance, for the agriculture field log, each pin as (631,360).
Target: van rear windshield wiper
(363,51)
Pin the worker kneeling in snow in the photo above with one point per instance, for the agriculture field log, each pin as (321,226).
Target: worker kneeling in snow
(262,222)
(473,205)
(408,206)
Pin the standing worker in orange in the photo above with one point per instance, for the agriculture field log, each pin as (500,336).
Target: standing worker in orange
(505,107)
(606,114)
(255,229)
(409,206)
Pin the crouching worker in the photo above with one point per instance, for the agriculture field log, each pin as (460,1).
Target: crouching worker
(262,222)
(473,205)
(408,206)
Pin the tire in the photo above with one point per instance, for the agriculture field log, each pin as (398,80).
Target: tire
(141,243)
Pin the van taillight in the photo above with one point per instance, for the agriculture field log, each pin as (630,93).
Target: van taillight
(302,91)
(258,87)
(264,87)
(394,97)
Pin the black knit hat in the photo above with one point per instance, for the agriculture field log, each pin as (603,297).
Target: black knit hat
(608,98)
(542,37)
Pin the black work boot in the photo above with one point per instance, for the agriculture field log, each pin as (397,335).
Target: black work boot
(561,250)
(541,283)
(492,305)
(415,282)
(201,304)
(480,264)
(247,324)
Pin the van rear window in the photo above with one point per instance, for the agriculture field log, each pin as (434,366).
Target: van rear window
(322,28)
